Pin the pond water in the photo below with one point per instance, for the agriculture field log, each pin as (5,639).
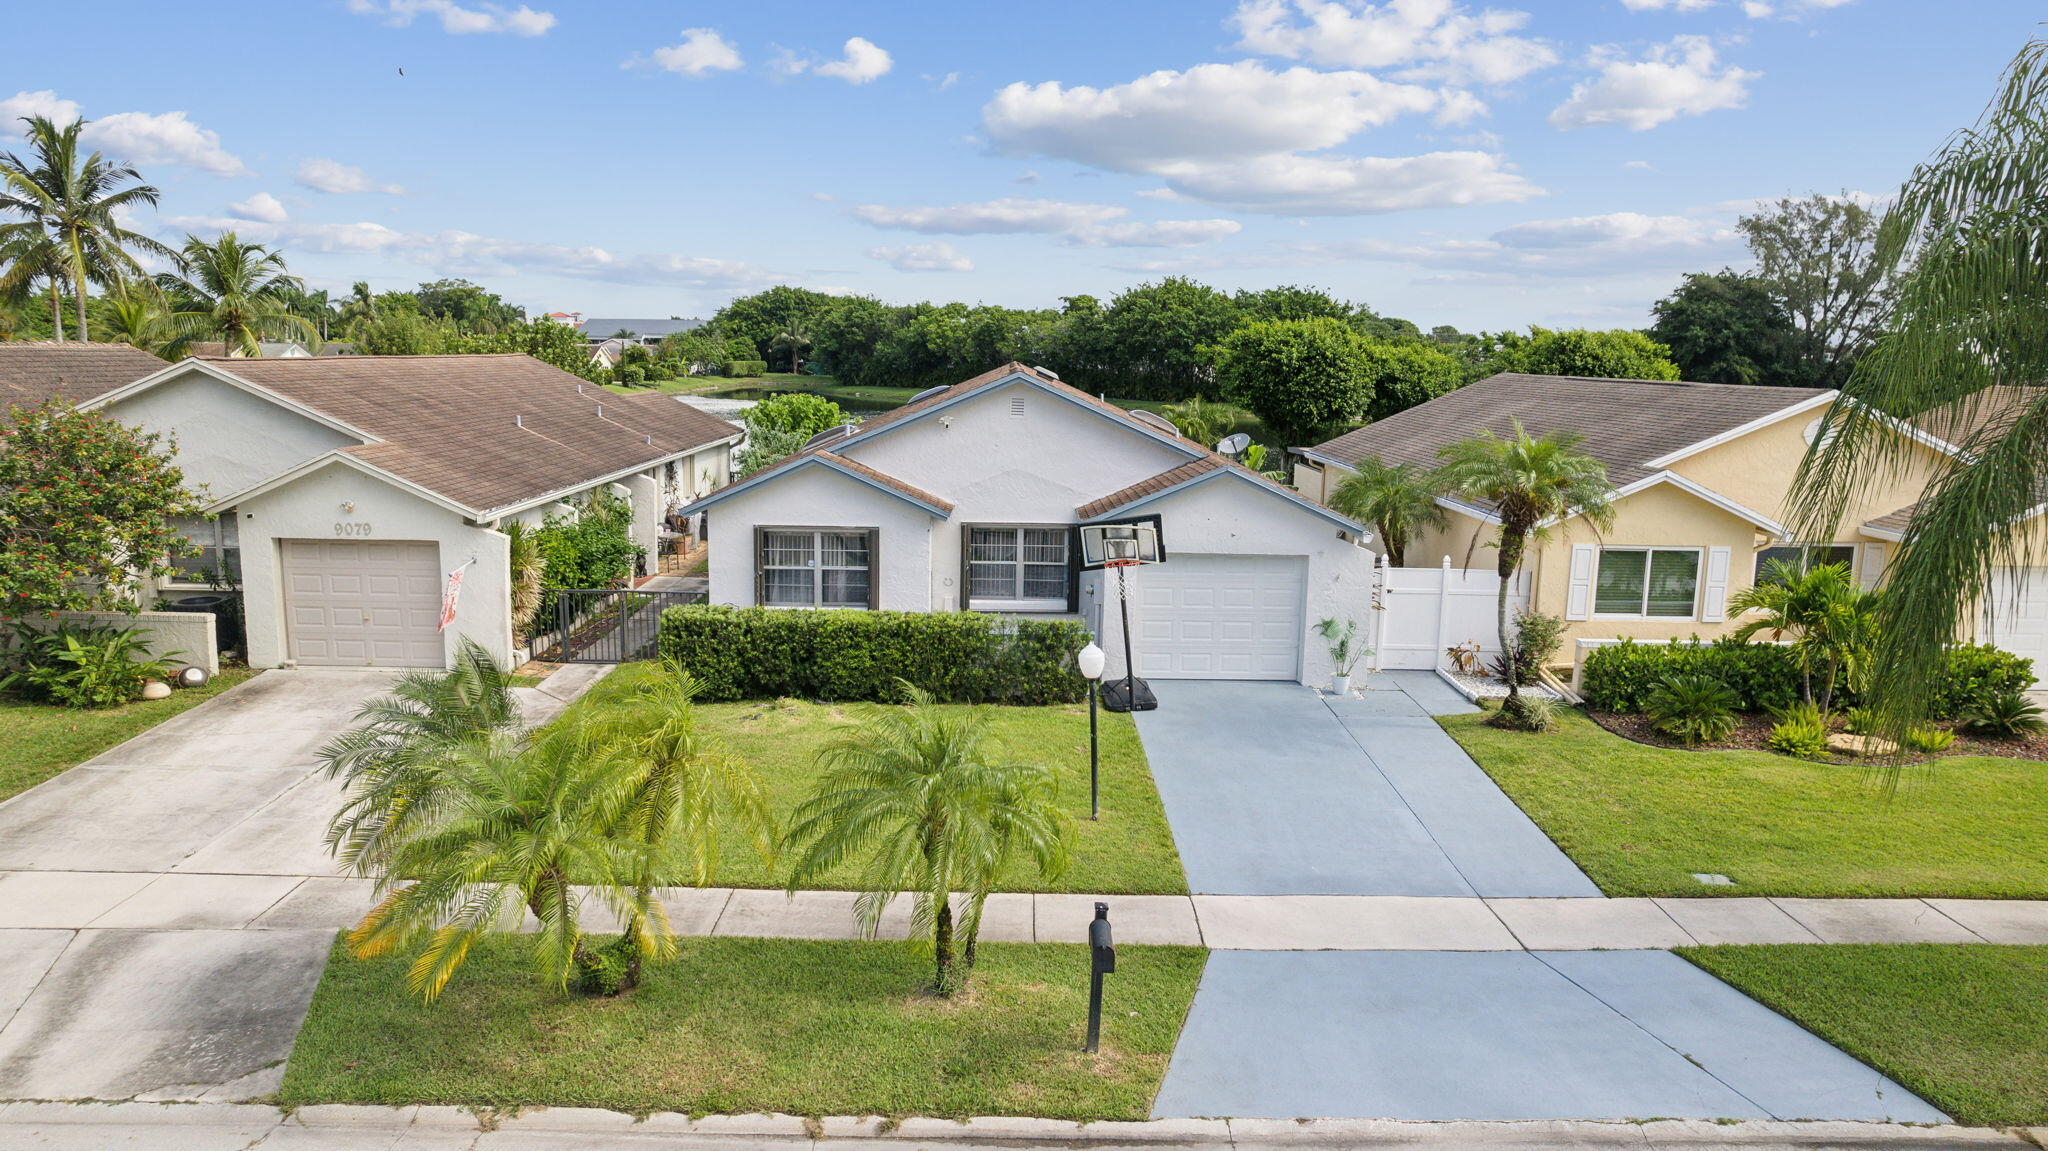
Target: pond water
(751,395)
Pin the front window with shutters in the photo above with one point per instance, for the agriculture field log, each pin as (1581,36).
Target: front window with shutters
(817,567)
(1017,568)
(1647,583)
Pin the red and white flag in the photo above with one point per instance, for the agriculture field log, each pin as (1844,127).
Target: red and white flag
(450,594)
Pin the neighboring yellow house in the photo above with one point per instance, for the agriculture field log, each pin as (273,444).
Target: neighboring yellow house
(1701,474)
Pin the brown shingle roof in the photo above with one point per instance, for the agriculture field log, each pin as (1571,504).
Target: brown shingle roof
(1958,421)
(32,372)
(1150,485)
(1624,423)
(884,419)
(1893,521)
(485,431)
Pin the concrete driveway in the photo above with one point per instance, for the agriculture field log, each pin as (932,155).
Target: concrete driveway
(168,845)
(1271,790)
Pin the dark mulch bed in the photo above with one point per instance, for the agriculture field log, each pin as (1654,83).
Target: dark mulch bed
(1753,733)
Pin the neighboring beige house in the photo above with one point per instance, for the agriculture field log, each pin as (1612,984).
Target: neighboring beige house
(1701,473)
(342,491)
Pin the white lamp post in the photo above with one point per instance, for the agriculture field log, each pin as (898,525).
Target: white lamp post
(1092,662)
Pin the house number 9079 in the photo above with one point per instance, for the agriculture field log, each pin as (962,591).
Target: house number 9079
(352,528)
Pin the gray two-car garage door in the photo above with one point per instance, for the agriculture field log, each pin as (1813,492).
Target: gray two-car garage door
(363,603)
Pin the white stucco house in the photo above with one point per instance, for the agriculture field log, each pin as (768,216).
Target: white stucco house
(969,498)
(342,491)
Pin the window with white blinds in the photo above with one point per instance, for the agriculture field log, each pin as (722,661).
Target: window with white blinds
(813,567)
(1017,568)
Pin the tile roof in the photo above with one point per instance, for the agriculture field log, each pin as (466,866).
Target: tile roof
(32,371)
(1151,485)
(1624,423)
(485,431)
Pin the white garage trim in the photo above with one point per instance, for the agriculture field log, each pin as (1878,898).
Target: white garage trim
(362,603)
(2016,616)
(1221,617)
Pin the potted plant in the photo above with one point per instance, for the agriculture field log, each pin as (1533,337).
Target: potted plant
(1345,652)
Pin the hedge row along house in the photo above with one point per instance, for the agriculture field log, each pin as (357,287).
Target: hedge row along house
(342,492)
(1702,475)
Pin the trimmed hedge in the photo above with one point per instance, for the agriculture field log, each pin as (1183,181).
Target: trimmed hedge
(746,367)
(960,657)
(1620,678)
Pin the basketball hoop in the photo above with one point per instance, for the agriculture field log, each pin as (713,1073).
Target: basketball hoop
(1119,546)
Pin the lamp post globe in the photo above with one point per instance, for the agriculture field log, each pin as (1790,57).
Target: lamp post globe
(1093,661)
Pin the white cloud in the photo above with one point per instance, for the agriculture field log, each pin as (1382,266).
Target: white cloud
(1682,78)
(941,83)
(45,103)
(163,138)
(1208,112)
(457,20)
(863,61)
(455,252)
(337,178)
(1348,185)
(1663,5)
(1428,39)
(1617,229)
(939,257)
(1757,9)
(261,207)
(1077,224)
(1789,9)
(1639,165)
(701,50)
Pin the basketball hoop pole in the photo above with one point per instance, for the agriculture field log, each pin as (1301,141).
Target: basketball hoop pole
(1123,599)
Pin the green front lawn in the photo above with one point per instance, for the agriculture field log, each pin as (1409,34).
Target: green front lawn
(739,1025)
(1640,820)
(1128,852)
(42,741)
(1960,1025)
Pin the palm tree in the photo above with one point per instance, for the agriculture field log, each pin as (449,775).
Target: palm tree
(1396,499)
(1531,482)
(1201,420)
(137,315)
(684,786)
(73,202)
(234,290)
(912,799)
(1827,617)
(513,823)
(1962,358)
(28,257)
(361,305)
(796,337)
(528,566)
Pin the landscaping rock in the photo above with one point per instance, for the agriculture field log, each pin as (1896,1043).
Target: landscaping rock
(1862,746)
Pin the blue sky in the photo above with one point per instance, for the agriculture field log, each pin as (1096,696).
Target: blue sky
(1537,162)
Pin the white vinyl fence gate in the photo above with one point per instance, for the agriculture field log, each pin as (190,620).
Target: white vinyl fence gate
(1427,610)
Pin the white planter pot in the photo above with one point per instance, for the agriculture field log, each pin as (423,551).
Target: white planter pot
(155,689)
(1340,685)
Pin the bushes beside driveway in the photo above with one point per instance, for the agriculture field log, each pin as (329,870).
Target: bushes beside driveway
(1765,676)
(959,657)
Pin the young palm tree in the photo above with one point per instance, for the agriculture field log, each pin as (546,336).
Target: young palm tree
(1531,482)
(71,201)
(1827,617)
(527,566)
(26,258)
(361,305)
(1202,421)
(393,761)
(911,798)
(1396,499)
(234,290)
(685,786)
(136,314)
(1962,357)
(513,823)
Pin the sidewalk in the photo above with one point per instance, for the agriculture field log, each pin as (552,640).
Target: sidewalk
(232,1127)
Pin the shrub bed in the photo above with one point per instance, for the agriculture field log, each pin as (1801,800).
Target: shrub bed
(742,369)
(1765,677)
(961,657)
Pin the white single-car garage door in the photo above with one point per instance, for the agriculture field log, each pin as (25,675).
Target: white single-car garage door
(363,603)
(2018,616)
(1221,617)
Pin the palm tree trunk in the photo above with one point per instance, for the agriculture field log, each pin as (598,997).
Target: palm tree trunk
(1510,559)
(942,948)
(78,289)
(56,311)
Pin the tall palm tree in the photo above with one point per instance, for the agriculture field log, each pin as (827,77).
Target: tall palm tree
(234,290)
(911,798)
(1531,482)
(1964,358)
(359,306)
(516,825)
(1398,500)
(796,339)
(685,786)
(72,201)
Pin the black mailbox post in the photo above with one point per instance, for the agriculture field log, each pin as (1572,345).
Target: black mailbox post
(1101,962)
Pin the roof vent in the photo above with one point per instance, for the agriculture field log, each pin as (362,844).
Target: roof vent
(926,394)
(1016,407)
(600,411)
(579,389)
(1155,420)
(648,438)
(1042,370)
(830,435)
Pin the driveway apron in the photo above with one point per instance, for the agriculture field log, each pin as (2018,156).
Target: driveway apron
(1272,791)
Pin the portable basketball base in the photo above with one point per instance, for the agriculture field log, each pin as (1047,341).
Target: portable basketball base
(1121,546)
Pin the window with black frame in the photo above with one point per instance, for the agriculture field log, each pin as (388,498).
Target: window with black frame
(219,558)
(1803,558)
(817,567)
(1017,568)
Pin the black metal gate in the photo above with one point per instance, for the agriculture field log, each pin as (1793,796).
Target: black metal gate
(608,625)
